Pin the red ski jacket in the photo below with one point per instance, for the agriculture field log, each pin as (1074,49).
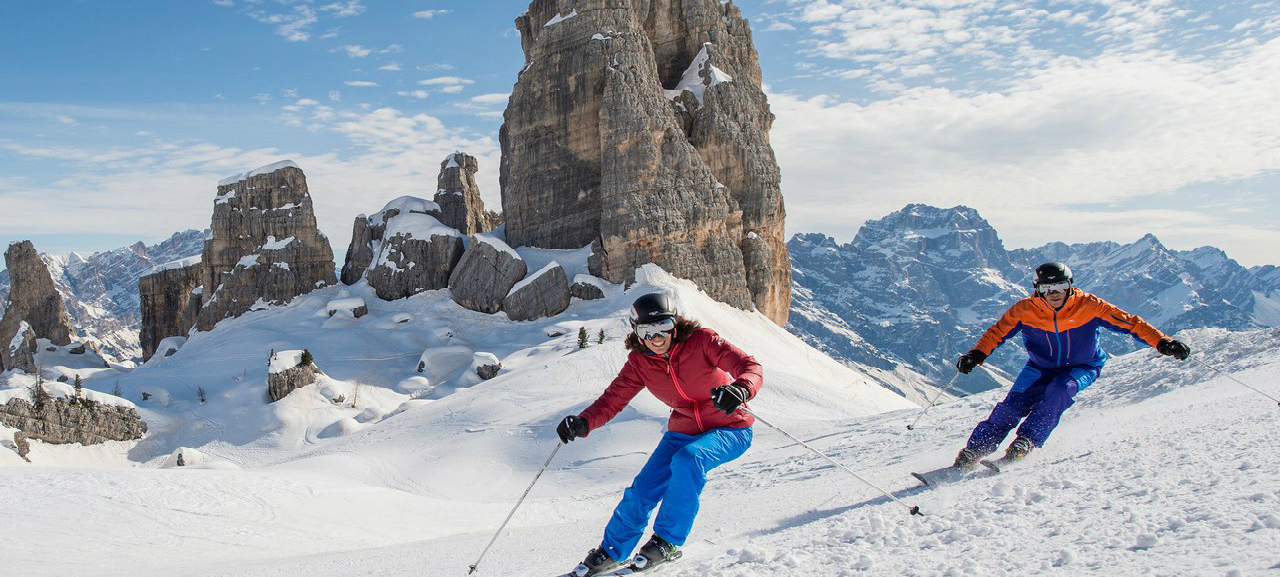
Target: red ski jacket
(683,379)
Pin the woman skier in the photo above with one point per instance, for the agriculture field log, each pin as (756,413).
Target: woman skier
(704,380)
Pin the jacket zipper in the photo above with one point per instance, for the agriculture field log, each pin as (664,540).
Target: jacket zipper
(1057,336)
(671,370)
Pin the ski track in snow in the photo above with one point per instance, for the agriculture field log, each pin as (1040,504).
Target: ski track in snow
(1161,468)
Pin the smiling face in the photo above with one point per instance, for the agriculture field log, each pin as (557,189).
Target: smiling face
(659,343)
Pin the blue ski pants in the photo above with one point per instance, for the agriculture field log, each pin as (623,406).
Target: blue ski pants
(674,476)
(1039,396)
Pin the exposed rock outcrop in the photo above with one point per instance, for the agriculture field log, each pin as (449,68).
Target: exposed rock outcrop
(587,287)
(486,274)
(20,351)
(265,247)
(641,128)
(459,196)
(289,370)
(170,302)
(62,421)
(403,249)
(33,300)
(545,293)
(418,254)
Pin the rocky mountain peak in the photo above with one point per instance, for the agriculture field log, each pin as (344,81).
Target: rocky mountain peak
(34,304)
(641,129)
(264,246)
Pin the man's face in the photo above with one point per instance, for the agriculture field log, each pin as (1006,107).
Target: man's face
(1055,293)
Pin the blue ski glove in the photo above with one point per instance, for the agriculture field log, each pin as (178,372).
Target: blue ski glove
(728,397)
(571,428)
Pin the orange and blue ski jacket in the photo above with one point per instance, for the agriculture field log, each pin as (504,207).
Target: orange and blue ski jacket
(1067,337)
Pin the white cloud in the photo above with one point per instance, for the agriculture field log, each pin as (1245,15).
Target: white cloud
(344,9)
(124,188)
(392,49)
(418,94)
(445,80)
(307,102)
(1067,138)
(360,83)
(390,66)
(454,89)
(294,27)
(355,51)
(67,120)
(335,95)
(428,14)
(493,98)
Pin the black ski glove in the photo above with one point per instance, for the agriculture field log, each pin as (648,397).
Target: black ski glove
(571,428)
(1173,348)
(970,360)
(728,397)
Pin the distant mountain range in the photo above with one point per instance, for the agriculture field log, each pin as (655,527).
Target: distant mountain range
(913,289)
(919,286)
(101,291)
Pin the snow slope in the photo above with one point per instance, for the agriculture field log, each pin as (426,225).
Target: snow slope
(1161,468)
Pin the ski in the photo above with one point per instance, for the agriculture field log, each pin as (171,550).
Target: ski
(632,569)
(944,475)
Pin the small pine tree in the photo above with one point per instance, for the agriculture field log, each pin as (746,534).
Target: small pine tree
(200,393)
(79,387)
(582,337)
(116,390)
(600,337)
(307,359)
(39,396)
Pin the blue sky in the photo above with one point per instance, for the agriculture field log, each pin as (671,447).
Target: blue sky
(1074,121)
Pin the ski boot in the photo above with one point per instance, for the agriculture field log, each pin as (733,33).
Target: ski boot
(967,459)
(598,561)
(1019,448)
(656,552)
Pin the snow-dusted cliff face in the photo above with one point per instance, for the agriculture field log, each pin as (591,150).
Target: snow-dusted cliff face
(101,291)
(918,287)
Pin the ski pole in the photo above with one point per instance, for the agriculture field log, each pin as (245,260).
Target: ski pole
(913,510)
(934,402)
(513,509)
(1227,375)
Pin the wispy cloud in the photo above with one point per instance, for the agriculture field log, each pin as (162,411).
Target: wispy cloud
(390,66)
(428,14)
(445,81)
(416,94)
(360,83)
(354,51)
(293,26)
(344,9)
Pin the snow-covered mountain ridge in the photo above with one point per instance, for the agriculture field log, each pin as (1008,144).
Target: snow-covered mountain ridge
(917,287)
(101,290)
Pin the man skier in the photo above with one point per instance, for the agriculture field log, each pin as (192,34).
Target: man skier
(1059,326)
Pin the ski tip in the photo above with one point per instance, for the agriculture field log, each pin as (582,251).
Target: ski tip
(921,478)
(991,465)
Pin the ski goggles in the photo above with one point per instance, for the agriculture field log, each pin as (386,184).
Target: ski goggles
(663,327)
(1054,287)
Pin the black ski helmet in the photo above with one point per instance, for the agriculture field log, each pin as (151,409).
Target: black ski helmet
(651,308)
(1051,272)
